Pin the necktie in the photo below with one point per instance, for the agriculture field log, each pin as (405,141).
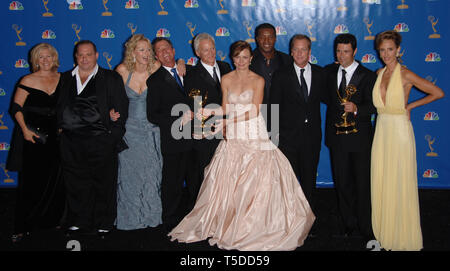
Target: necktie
(303,85)
(177,78)
(343,84)
(215,77)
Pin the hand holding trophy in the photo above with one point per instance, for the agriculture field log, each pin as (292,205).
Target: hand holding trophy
(345,126)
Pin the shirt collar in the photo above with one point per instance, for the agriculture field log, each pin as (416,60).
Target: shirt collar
(93,73)
(298,69)
(350,69)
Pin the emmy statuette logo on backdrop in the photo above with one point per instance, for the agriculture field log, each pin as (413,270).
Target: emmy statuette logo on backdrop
(342,7)
(433,22)
(222,10)
(162,12)
(132,27)
(77,31)
(368,26)
(18,31)
(403,5)
(430,141)
(108,58)
(309,26)
(47,13)
(2,124)
(106,12)
(249,28)
(191,30)
(8,178)
(280,9)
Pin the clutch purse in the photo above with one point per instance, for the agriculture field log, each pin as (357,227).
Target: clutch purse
(42,136)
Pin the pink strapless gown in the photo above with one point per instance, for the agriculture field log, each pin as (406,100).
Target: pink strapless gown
(250,198)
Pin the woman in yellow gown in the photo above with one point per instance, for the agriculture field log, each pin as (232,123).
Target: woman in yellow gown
(395,201)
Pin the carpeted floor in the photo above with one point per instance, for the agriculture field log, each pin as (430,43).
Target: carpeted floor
(435,219)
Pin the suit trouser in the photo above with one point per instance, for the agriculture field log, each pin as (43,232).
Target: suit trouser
(177,169)
(352,184)
(90,175)
(304,162)
(200,158)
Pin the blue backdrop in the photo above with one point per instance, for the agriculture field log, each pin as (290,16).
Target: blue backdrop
(422,23)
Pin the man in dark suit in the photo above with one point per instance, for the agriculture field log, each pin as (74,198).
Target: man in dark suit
(206,77)
(168,107)
(266,60)
(298,88)
(90,141)
(350,153)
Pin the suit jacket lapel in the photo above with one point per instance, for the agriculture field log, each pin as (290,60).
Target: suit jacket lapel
(101,91)
(296,84)
(168,77)
(356,78)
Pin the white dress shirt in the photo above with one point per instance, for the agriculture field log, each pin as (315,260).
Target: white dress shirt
(209,68)
(350,71)
(81,86)
(169,70)
(306,74)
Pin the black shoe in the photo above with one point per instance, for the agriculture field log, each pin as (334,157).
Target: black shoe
(74,231)
(103,233)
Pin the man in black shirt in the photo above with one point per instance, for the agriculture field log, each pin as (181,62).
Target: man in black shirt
(266,60)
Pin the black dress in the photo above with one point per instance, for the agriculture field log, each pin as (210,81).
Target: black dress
(40,191)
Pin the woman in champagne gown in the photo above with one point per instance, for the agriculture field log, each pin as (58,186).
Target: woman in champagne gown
(395,201)
(250,198)
(34,148)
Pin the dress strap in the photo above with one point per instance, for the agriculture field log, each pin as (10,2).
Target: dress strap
(26,88)
(129,78)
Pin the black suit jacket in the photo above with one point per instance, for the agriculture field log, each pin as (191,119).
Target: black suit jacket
(163,94)
(294,110)
(364,80)
(110,94)
(199,78)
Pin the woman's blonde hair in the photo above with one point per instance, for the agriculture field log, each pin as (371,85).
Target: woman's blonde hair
(34,56)
(130,46)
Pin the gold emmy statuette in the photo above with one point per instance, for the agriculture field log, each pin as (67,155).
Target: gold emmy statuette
(77,30)
(431,153)
(106,12)
(46,14)
(280,9)
(368,26)
(429,78)
(433,22)
(108,59)
(221,55)
(249,27)
(310,26)
(201,101)
(402,6)
(222,11)
(191,29)
(18,31)
(2,124)
(162,12)
(8,179)
(345,126)
(342,7)
(132,28)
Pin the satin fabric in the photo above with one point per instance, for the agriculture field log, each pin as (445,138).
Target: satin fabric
(395,200)
(250,198)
